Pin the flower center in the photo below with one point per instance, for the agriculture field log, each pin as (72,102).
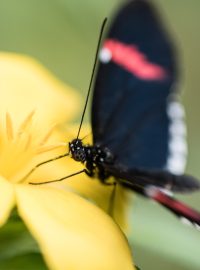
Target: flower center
(20,146)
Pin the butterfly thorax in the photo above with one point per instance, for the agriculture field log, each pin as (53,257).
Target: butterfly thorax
(93,157)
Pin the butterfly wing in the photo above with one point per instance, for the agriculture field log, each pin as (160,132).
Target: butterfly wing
(135,112)
(133,108)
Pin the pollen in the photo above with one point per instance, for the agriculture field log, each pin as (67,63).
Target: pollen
(21,146)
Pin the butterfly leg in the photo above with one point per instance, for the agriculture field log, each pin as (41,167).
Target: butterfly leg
(58,180)
(89,170)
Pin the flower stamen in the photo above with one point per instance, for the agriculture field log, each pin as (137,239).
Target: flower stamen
(9,127)
(47,136)
(26,123)
(28,143)
(48,148)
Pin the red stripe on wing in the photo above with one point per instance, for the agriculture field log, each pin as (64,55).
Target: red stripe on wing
(175,206)
(134,61)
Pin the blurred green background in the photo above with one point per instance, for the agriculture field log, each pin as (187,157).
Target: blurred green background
(62,34)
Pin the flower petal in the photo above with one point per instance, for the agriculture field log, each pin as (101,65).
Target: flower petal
(72,233)
(7,200)
(27,85)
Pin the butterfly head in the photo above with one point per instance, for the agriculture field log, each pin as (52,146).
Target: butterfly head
(77,150)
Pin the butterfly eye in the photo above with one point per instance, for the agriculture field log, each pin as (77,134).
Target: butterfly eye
(79,154)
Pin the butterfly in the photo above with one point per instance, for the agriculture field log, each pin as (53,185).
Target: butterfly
(137,120)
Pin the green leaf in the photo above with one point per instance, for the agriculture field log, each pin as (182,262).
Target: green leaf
(24,262)
(15,239)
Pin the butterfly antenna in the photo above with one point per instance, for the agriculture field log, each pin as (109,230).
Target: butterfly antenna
(86,102)
(87,135)
(91,80)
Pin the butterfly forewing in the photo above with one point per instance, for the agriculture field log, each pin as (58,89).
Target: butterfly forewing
(132,89)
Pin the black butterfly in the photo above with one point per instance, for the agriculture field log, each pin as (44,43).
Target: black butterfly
(138,131)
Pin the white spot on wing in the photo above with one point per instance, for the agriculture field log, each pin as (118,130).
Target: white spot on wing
(175,109)
(151,191)
(186,221)
(176,164)
(178,128)
(177,138)
(178,143)
(197,226)
(167,192)
(105,55)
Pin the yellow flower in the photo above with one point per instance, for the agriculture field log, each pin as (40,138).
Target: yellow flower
(72,232)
